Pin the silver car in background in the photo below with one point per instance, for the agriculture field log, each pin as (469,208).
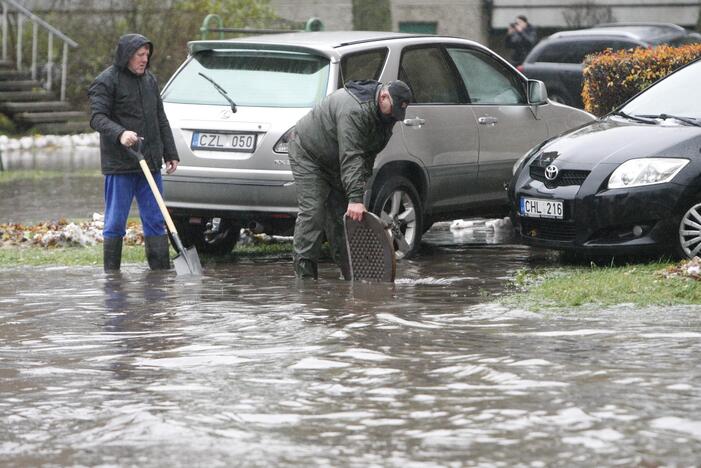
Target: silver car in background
(233,103)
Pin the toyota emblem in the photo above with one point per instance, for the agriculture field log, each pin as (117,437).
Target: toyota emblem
(551,172)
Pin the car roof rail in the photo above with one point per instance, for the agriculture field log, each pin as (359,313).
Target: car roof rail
(672,26)
(593,32)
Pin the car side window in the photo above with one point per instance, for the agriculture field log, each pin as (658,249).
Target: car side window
(574,51)
(579,50)
(366,65)
(693,38)
(553,52)
(430,75)
(487,81)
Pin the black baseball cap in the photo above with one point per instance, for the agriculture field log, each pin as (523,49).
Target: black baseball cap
(401,97)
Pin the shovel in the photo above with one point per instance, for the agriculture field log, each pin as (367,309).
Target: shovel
(187,262)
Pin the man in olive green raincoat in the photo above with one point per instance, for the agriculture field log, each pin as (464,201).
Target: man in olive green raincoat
(331,155)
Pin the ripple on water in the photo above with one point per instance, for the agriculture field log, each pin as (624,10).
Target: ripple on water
(247,365)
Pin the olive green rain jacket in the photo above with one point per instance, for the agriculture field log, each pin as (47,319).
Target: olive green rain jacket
(343,135)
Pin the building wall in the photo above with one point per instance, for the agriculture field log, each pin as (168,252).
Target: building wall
(337,15)
(555,13)
(463,18)
(452,17)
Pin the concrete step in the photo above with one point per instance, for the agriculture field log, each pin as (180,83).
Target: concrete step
(25,96)
(8,74)
(63,128)
(41,106)
(47,117)
(19,85)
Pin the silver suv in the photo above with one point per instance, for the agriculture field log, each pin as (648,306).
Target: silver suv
(233,103)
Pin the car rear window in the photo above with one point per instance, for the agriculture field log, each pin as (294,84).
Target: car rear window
(251,78)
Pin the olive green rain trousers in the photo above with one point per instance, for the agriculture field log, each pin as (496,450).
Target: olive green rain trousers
(322,205)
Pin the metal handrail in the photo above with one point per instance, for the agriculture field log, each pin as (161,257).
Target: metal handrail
(22,14)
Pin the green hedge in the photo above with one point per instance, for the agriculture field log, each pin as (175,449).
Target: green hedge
(611,78)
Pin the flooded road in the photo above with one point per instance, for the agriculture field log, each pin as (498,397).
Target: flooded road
(74,190)
(248,367)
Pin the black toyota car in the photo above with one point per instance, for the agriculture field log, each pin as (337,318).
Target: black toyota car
(629,182)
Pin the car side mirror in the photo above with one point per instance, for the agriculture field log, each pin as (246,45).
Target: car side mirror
(537,93)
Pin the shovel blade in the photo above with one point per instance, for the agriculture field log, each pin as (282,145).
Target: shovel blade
(187,262)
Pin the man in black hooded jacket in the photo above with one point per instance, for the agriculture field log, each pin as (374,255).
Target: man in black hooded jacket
(127,109)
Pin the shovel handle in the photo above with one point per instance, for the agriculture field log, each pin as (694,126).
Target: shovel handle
(157,195)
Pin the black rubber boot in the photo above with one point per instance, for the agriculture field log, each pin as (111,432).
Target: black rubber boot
(305,268)
(157,252)
(112,253)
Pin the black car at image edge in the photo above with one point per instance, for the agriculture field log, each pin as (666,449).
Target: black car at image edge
(627,183)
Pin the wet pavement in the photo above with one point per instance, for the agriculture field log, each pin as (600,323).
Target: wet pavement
(248,367)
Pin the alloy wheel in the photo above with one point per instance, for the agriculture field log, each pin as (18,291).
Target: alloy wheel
(690,232)
(399,212)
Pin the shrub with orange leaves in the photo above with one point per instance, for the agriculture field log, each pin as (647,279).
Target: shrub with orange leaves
(611,78)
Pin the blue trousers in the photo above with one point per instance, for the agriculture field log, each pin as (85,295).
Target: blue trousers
(120,190)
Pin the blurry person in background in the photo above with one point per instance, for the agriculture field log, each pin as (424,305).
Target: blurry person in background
(520,38)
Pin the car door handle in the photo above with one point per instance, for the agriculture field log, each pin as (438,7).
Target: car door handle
(415,122)
(487,120)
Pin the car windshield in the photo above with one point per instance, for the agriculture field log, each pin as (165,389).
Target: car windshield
(678,94)
(251,78)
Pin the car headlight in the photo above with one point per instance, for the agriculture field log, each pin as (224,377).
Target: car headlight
(645,171)
(522,159)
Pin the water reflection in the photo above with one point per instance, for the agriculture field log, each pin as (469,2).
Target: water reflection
(139,318)
(77,193)
(65,159)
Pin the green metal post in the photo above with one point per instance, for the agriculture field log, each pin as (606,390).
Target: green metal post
(314,24)
(204,29)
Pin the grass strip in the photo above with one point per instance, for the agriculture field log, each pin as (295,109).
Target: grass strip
(92,255)
(65,256)
(574,286)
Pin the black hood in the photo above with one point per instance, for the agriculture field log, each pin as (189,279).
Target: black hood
(363,90)
(126,47)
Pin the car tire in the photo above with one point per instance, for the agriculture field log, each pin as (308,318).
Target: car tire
(689,232)
(398,204)
(219,243)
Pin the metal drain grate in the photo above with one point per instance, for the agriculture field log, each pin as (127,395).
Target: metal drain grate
(368,262)
(370,249)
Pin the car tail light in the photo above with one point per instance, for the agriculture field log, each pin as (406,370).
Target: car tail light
(283,144)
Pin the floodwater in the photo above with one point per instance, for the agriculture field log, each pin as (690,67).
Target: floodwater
(74,192)
(248,367)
